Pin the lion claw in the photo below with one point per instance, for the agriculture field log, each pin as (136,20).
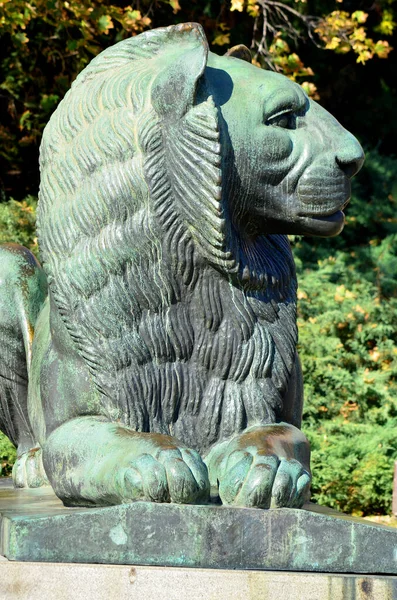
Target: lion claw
(264,467)
(265,482)
(28,470)
(171,475)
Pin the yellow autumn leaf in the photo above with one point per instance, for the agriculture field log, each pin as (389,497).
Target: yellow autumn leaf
(279,46)
(358,34)
(364,56)
(387,25)
(333,44)
(134,15)
(310,89)
(175,5)
(374,354)
(253,9)
(360,16)
(342,49)
(22,38)
(382,49)
(294,62)
(237,5)
(359,309)
(222,39)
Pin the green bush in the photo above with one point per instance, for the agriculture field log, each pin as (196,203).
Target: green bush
(7,455)
(348,347)
(18,222)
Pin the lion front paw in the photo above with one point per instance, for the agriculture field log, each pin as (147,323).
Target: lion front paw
(170,475)
(253,480)
(265,467)
(28,470)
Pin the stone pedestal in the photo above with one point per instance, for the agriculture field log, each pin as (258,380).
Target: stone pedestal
(50,581)
(35,526)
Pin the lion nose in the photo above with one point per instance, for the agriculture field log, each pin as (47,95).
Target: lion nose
(350,158)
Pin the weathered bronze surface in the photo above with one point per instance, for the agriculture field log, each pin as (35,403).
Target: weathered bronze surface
(164,356)
(36,526)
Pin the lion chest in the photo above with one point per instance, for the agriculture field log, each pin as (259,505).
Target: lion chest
(215,365)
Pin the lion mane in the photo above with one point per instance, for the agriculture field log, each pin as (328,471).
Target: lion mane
(185,328)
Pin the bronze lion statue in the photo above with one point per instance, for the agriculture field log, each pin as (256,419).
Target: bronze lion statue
(161,364)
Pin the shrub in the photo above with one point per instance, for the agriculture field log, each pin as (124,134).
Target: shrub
(348,347)
(18,222)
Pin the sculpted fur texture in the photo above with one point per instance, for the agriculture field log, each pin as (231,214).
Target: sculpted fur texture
(169,180)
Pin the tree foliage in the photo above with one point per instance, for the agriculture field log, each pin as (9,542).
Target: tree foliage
(275,22)
(348,346)
(18,222)
(44,44)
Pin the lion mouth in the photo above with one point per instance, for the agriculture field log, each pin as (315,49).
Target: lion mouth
(323,194)
(322,225)
(319,212)
(338,215)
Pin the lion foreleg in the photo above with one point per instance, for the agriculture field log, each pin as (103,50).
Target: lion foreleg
(91,461)
(265,466)
(293,399)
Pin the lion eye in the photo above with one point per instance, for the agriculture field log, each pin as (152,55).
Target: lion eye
(285,120)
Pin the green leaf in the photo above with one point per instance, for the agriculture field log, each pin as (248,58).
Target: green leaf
(105,23)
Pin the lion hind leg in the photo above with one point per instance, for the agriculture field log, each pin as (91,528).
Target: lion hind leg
(23,289)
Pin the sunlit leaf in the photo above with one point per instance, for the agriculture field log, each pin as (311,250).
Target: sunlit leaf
(360,16)
(222,39)
(175,5)
(105,23)
(237,5)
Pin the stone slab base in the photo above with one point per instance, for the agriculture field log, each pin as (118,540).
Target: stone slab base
(35,526)
(49,581)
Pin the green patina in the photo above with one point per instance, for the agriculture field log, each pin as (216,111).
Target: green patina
(36,526)
(163,362)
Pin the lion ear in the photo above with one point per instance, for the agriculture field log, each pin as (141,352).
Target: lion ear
(174,89)
(241,52)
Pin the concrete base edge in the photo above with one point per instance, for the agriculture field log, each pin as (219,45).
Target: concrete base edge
(54,581)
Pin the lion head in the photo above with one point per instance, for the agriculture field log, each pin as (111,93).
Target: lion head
(168,173)
(293,160)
